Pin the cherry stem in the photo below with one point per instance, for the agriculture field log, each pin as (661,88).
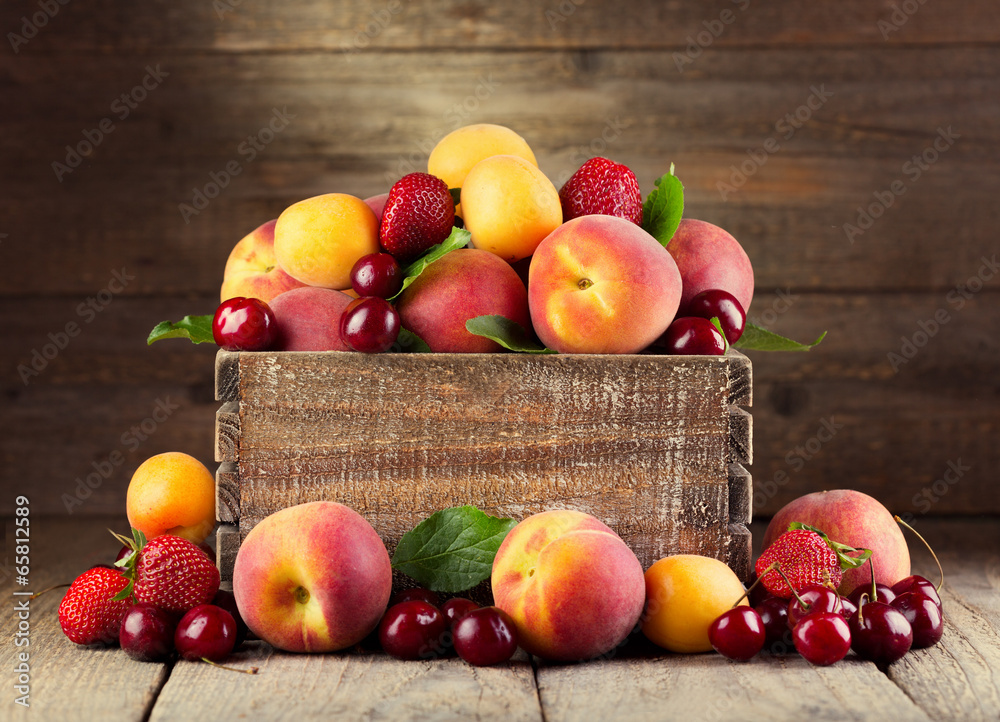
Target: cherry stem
(756,581)
(874,596)
(805,605)
(252,670)
(55,586)
(921,538)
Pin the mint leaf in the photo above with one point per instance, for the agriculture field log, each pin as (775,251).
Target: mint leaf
(843,551)
(459,238)
(505,332)
(196,328)
(451,550)
(663,207)
(410,342)
(755,338)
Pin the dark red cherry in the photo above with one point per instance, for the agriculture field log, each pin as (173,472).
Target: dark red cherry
(723,306)
(880,633)
(815,598)
(369,325)
(206,632)
(244,324)
(376,274)
(226,600)
(773,613)
(737,633)
(822,638)
(863,594)
(924,616)
(692,336)
(456,608)
(847,607)
(758,592)
(414,630)
(406,595)
(485,636)
(917,583)
(147,633)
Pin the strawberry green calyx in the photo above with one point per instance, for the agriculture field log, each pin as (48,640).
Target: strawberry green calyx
(128,564)
(843,551)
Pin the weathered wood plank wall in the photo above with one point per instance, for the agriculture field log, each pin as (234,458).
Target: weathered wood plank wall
(97,253)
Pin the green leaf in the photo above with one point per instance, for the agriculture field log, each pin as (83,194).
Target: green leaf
(505,332)
(843,551)
(755,338)
(456,195)
(196,328)
(718,327)
(410,342)
(451,550)
(459,238)
(663,207)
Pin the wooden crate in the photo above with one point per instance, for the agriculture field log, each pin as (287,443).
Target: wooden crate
(654,446)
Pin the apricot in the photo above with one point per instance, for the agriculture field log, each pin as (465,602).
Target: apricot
(318,240)
(172,493)
(455,154)
(685,593)
(509,206)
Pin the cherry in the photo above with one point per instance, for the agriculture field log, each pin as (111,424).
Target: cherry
(811,599)
(756,593)
(406,595)
(822,638)
(863,594)
(125,551)
(456,608)
(694,336)
(924,616)
(485,636)
(147,633)
(737,633)
(244,324)
(206,632)
(723,306)
(413,630)
(847,607)
(773,613)
(880,633)
(917,583)
(227,600)
(376,274)
(369,325)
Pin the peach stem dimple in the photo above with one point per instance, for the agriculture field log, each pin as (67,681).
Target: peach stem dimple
(584,283)
(301,595)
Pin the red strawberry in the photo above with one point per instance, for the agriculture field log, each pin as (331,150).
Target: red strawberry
(170,572)
(805,556)
(602,187)
(88,614)
(418,214)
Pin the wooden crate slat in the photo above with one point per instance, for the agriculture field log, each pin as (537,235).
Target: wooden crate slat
(227,431)
(740,436)
(227,545)
(740,495)
(227,493)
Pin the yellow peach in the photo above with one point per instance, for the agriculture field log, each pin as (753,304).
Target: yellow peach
(318,240)
(509,206)
(252,269)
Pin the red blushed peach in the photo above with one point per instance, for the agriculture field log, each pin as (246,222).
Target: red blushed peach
(571,585)
(252,270)
(309,319)
(312,578)
(600,284)
(853,518)
(461,285)
(377,204)
(710,258)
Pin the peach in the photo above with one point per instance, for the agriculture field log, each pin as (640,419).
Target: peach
(377,204)
(571,585)
(463,284)
(309,319)
(509,206)
(853,518)
(710,258)
(685,593)
(318,240)
(312,578)
(601,284)
(455,154)
(172,493)
(252,269)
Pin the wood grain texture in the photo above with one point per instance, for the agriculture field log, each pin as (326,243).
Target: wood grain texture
(227,432)
(349,686)
(227,545)
(740,495)
(227,493)
(740,436)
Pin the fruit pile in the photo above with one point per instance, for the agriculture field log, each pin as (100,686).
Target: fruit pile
(481,253)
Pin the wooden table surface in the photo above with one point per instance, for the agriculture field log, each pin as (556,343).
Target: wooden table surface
(959,679)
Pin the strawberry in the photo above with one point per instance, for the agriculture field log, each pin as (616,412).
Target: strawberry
(89,614)
(602,187)
(169,572)
(419,213)
(805,555)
